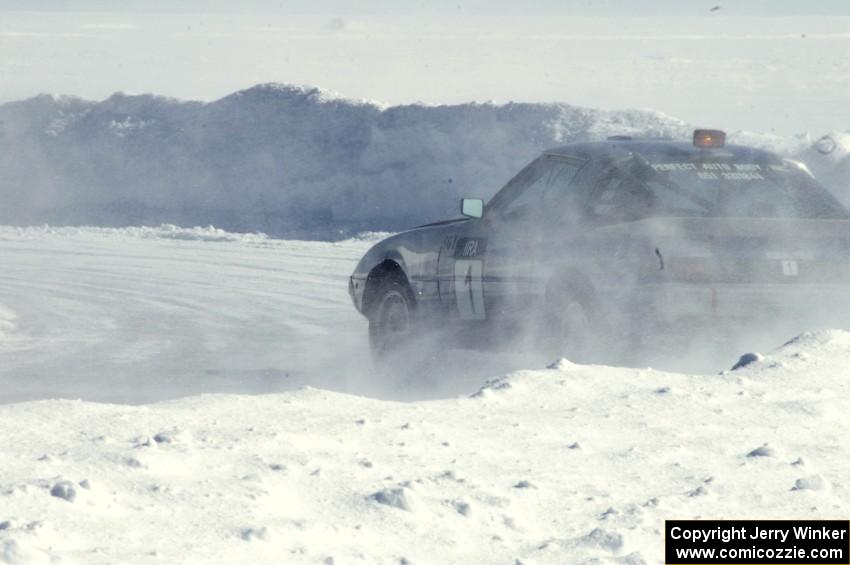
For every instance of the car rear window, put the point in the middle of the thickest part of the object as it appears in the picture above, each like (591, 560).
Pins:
(723, 186)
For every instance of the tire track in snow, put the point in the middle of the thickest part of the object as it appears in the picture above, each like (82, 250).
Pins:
(115, 317)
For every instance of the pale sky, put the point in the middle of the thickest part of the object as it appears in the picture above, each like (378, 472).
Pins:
(469, 7)
(788, 74)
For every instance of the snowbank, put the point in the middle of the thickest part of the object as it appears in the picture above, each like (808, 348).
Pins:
(290, 161)
(164, 231)
(566, 464)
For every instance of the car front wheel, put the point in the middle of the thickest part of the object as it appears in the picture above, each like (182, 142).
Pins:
(391, 321)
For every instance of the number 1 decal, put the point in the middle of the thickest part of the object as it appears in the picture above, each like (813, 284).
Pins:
(469, 289)
(790, 268)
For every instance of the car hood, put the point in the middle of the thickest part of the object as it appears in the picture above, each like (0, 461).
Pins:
(440, 223)
(413, 243)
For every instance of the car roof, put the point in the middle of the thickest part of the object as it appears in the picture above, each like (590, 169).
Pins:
(623, 146)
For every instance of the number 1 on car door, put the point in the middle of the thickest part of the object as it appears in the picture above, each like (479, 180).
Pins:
(469, 290)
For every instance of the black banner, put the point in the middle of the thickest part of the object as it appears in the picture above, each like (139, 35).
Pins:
(764, 542)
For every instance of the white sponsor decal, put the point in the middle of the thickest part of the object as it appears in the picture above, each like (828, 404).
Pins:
(715, 171)
(790, 268)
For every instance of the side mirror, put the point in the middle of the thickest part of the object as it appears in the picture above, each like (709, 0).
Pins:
(472, 207)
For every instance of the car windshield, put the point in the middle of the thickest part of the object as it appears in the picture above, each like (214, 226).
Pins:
(721, 186)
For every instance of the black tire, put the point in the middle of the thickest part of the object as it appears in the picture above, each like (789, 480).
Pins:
(571, 323)
(391, 320)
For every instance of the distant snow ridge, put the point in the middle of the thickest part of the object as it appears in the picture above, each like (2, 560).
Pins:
(296, 161)
(209, 233)
(165, 231)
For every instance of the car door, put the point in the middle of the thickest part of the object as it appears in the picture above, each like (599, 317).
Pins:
(460, 270)
(487, 269)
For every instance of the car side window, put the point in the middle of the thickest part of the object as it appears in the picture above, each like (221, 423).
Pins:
(545, 183)
(620, 197)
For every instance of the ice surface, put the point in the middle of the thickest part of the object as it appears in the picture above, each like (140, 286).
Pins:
(139, 314)
(143, 314)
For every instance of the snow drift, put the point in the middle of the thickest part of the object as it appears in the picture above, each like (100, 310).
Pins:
(289, 160)
(567, 464)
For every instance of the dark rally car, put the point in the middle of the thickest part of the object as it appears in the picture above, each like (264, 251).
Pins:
(609, 241)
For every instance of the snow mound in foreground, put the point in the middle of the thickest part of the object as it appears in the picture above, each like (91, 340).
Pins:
(566, 464)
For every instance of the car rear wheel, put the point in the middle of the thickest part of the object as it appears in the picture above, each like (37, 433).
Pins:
(391, 320)
(571, 324)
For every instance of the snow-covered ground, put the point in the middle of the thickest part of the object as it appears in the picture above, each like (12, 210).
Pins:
(141, 314)
(569, 463)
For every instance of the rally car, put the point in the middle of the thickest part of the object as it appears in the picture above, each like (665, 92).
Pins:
(615, 239)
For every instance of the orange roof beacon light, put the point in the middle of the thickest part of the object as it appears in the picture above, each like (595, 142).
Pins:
(709, 138)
